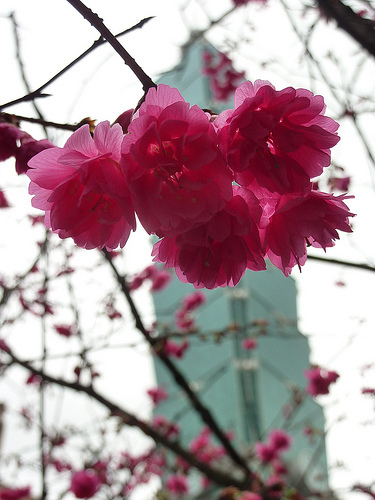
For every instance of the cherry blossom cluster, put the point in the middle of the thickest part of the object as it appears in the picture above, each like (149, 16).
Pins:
(223, 78)
(222, 193)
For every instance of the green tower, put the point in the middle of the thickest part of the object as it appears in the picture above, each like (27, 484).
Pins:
(249, 392)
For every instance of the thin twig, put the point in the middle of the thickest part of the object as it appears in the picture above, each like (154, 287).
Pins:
(100, 41)
(22, 68)
(95, 21)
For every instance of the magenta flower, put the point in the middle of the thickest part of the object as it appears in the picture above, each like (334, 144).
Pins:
(249, 343)
(193, 300)
(279, 439)
(15, 493)
(319, 380)
(278, 140)
(82, 190)
(66, 330)
(266, 453)
(177, 484)
(339, 183)
(158, 394)
(298, 221)
(3, 200)
(204, 449)
(218, 252)
(224, 79)
(28, 148)
(171, 154)
(84, 483)
(9, 137)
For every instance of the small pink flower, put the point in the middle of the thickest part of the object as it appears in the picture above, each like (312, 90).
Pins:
(160, 280)
(82, 189)
(157, 395)
(15, 493)
(279, 439)
(174, 349)
(3, 200)
(84, 483)
(194, 300)
(266, 453)
(177, 484)
(165, 426)
(224, 79)
(184, 320)
(66, 330)
(28, 148)
(9, 140)
(339, 183)
(249, 344)
(368, 390)
(319, 380)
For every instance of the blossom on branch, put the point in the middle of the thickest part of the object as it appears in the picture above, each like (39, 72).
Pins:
(82, 190)
(223, 194)
(319, 380)
(224, 79)
(84, 483)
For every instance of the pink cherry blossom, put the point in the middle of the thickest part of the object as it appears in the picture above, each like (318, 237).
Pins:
(177, 484)
(339, 183)
(157, 394)
(84, 483)
(194, 300)
(66, 330)
(278, 140)
(9, 137)
(171, 154)
(218, 252)
(319, 380)
(279, 439)
(15, 493)
(203, 447)
(266, 453)
(299, 221)
(3, 200)
(28, 148)
(224, 79)
(249, 344)
(82, 190)
(165, 426)
(174, 349)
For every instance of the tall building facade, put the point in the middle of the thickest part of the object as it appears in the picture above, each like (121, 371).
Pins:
(249, 392)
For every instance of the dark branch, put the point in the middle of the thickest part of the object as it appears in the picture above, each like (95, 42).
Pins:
(359, 28)
(355, 265)
(217, 476)
(37, 94)
(62, 126)
(179, 378)
(95, 21)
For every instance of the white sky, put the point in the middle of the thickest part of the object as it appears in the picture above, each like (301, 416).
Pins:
(339, 321)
